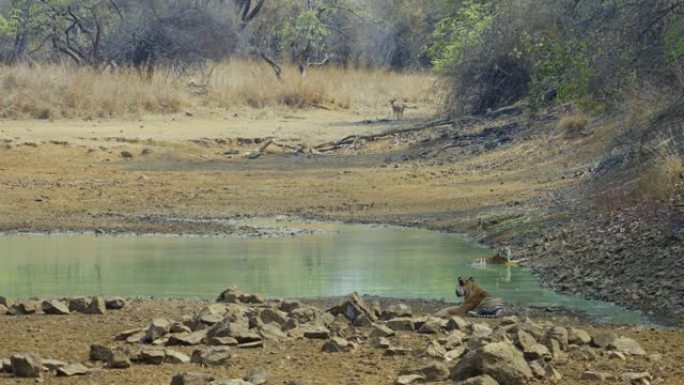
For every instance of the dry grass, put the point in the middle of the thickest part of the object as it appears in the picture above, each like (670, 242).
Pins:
(61, 91)
(573, 124)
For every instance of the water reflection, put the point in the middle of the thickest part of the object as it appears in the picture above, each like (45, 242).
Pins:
(369, 259)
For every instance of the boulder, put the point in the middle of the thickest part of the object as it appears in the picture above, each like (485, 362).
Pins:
(455, 353)
(353, 306)
(257, 376)
(97, 306)
(409, 379)
(152, 356)
(289, 305)
(559, 334)
(305, 314)
(115, 303)
(316, 332)
(26, 365)
(434, 350)
(380, 342)
(537, 351)
(456, 323)
(188, 339)
(272, 332)
(73, 370)
(212, 356)
(223, 341)
(6, 302)
(603, 340)
(100, 353)
(337, 345)
(158, 329)
(362, 321)
(397, 311)
(381, 331)
(500, 360)
(119, 360)
(627, 346)
(174, 357)
(479, 380)
(80, 304)
(431, 326)
(6, 365)
(480, 330)
(3, 310)
(401, 324)
(189, 378)
(26, 307)
(269, 315)
(578, 336)
(55, 307)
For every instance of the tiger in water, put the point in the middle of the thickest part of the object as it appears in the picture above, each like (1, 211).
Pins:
(476, 302)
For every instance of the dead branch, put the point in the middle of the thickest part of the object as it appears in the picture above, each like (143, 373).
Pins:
(276, 68)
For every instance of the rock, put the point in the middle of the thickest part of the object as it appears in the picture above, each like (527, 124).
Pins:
(551, 374)
(239, 331)
(272, 332)
(53, 365)
(26, 307)
(123, 336)
(136, 338)
(189, 339)
(627, 346)
(353, 306)
(212, 356)
(559, 334)
(431, 326)
(97, 306)
(152, 356)
(524, 340)
(251, 345)
(316, 332)
(115, 303)
(453, 339)
(269, 315)
(6, 302)
(456, 323)
(337, 345)
(100, 353)
(230, 382)
(55, 307)
(179, 328)
(397, 311)
(397, 351)
(178, 358)
(305, 314)
(189, 378)
(434, 350)
(480, 330)
(537, 368)
(158, 329)
(500, 360)
(223, 341)
(288, 306)
(578, 336)
(380, 342)
(434, 371)
(118, 360)
(655, 357)
(73, 370)
(362, 321)
(509, 320)
(27, 365)
(3, 310)
(617, 355)
(401, 324)
(80, 304)
(210, 319)
(479, 380)
(603, 340)
(537, 351)
(409, 379)
(381, 331)
(554, 347)
(126, 154)
(257, 376)
(236, 296)
(6, 365)
(594, 376)
(455, 353)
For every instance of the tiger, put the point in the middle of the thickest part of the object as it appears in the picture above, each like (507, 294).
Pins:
(476, 302)
(502, 257)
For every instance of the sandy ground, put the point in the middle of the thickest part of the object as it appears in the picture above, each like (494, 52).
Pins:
(71, 175)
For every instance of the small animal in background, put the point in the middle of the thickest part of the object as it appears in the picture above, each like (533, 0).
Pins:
(397, 109)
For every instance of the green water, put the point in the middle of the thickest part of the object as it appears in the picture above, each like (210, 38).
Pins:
(385, 261)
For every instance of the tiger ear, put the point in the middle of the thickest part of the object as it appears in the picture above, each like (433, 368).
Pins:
(471, 279)
(461, 281)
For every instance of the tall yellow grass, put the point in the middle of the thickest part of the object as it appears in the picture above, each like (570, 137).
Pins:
(62, 91)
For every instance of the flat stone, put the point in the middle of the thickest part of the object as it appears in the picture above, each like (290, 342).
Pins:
(53, 365)
(397, 351)
(454, 354)
(627, 346)
(223, 341)
(212, 356)
(409, 379)
(456, 323)
(363, 321)
(3, 310)
(73, 370)
(97, 306)
(479, 380)
(617, 355)
(230, 382)
(401, 324)
(478, 330)
(578, 336)
(289, 305)
(269, 315)
(272, 332)
(431, 326)
(26, 365)
(633, 377)
(381, 331)
(178, 328)
(152, 356)
(55, 307)
(158, 329)
(594, 376)
(136, 338)
(432, 372)
(189, 378)
(603, 340)
(316, 332)
(176, 358)
(123, 336)
(397, 311)
(434, 350)
(26, 307)
(537, 351)
(380, 342)
(337, 345)
(453, 339)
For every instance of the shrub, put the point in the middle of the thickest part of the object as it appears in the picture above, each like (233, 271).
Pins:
(573, 124)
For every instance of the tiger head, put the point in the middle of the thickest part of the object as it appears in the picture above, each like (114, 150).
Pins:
(465, 287)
